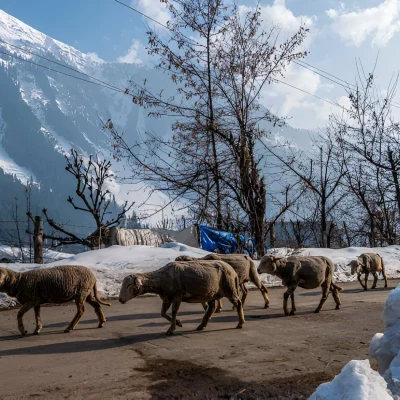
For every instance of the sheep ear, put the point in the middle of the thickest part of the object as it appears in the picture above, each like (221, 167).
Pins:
(138, 282)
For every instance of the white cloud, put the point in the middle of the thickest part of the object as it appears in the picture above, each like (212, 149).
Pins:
(331, 13)
(379, 23)
(154, 9)
(132, 55)
(95, 58)
(283, 18)
(292, 98)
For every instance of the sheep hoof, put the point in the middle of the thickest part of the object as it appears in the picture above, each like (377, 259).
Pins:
(100, 325)
(365, 288)
(218, 310)
(169, 332)
(36, 332)
(286, 313)
(200, 328)
(239, 327)
(337, 308)
(316, 311)
(234, 308)
(68, 330)
(24, 333)
(179, 323)
(266, 306)
(291, 312)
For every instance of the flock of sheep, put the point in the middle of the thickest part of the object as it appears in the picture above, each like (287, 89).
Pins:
(193, 280)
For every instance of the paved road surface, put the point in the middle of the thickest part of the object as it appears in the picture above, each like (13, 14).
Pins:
(131, 358)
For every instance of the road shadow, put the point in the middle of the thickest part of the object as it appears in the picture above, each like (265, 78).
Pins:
(125, 317)
(81, 346)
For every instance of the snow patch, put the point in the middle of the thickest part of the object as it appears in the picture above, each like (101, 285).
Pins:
(7, 164)
(356, 381)
(112, 264)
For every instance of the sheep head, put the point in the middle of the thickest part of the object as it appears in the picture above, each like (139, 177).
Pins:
(131, 288)
(267, 265)
(356, 266)
(7, 281)
(184, 258)
(3, 278)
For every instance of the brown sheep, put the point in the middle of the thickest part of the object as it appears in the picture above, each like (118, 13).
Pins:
(190, 282)
(368, 263)
(306, 272)
(245, 268)
(52, 285)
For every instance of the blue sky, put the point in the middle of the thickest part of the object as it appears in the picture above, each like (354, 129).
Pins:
(341, 33)
(100, 26)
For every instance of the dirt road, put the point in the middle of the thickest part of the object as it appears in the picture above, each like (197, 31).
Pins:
(131, 358)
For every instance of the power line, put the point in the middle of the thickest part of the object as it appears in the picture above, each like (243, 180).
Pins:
(298, 62)
(157, 22)
(60, 72)
(314, 95)
(58, 63)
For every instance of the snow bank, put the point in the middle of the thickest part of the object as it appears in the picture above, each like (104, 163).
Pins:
(112, 264)
(386, 347)
(342, 257)
(14, 254)
(356, 381)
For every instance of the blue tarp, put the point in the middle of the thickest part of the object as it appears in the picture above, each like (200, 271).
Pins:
(224, 242)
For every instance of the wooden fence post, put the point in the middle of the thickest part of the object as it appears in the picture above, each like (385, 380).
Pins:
(38, 240)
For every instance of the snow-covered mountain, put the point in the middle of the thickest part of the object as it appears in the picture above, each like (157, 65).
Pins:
(43, 113)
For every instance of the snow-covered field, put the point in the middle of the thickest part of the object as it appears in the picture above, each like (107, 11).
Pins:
(341, 257)
(357, 380)
(111, 265)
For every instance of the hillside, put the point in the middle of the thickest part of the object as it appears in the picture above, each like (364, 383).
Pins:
(44, 113)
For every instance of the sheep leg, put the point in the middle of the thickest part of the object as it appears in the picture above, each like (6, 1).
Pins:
(244, 295)
(164, 309)
(375, 280)
(239, 309)
(80, 310)
(25, 308)
(257, 281)
(336, 297)
(97, 309)
(38, 320)
(289, 292)
(366, 280)
(325, 292)
(293, 310)
(207, 316)
(359, 280)
(384, 276)
(218, 308)
(175, 307)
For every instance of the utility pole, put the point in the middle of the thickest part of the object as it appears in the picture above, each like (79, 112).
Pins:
(38, 240)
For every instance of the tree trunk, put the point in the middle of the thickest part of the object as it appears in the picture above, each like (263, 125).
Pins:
(395, 175)
(213, 142)
(272, 235)
(324, 236)
(260, 209)
(38, 238)
(346, 232)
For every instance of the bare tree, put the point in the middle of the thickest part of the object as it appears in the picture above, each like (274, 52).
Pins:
(220, 75)
(321, 172)
(92, 178)
(369, 142)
